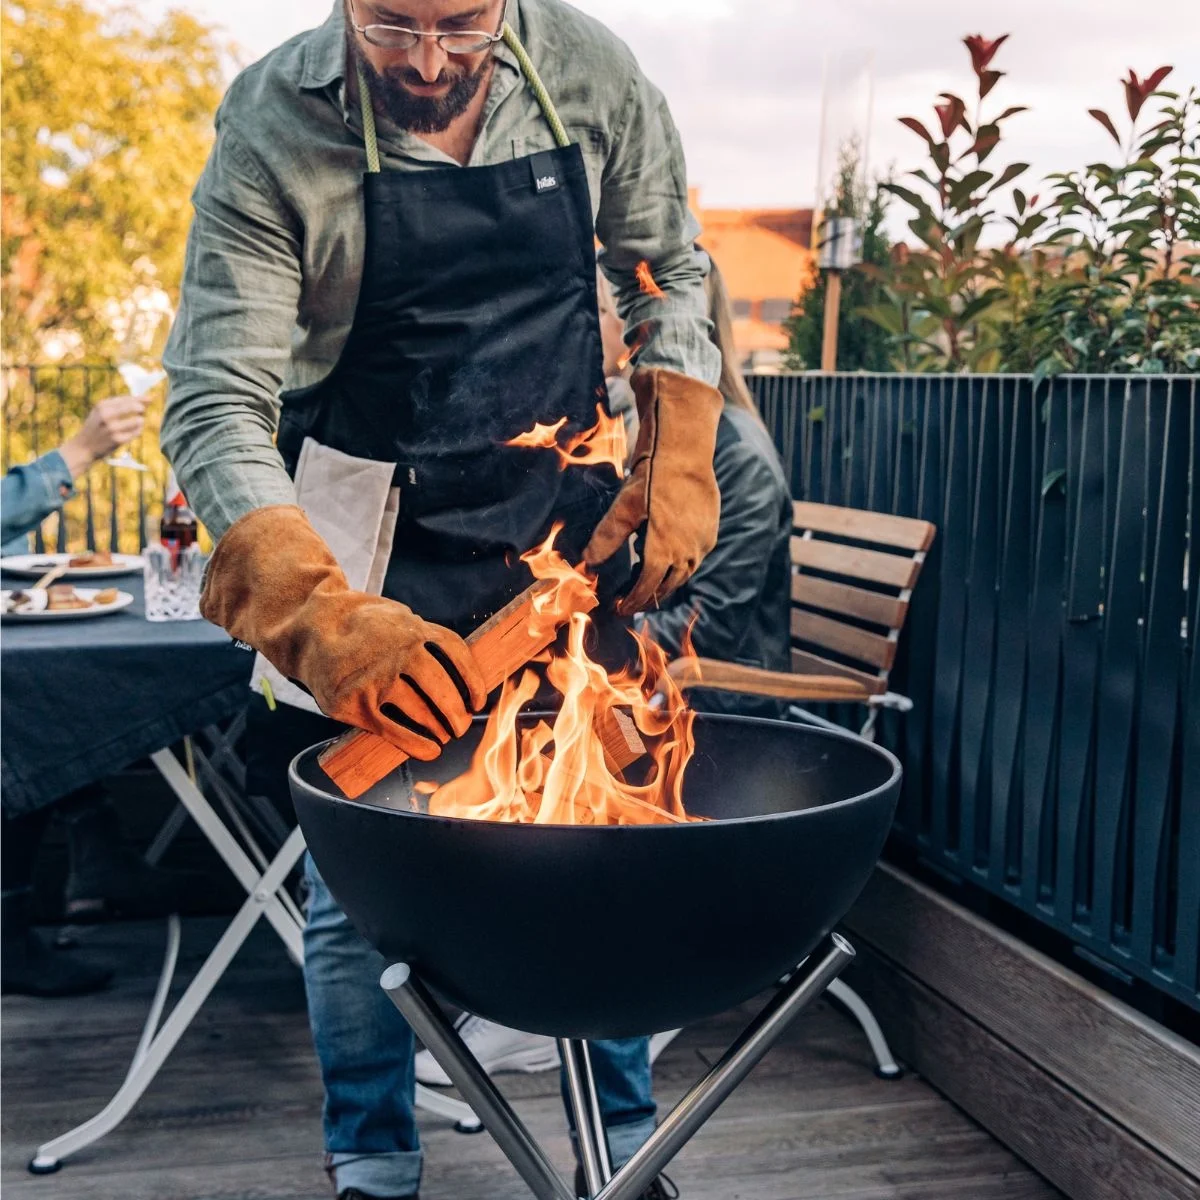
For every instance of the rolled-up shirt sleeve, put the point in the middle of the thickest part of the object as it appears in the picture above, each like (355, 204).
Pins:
(229, 347)
(643, 217)
(29, 494)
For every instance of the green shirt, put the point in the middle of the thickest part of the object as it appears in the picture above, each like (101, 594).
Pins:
(274, 257)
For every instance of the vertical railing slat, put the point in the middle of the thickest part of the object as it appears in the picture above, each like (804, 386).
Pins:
(1018, 509)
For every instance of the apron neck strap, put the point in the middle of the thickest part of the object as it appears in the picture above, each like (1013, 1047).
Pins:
(534, 80)
(535, 84)
(368, 120)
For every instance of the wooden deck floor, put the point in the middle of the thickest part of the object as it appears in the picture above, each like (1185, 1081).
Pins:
(235, 1114)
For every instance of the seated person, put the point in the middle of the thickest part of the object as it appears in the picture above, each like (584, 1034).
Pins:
(30, 493)
(740, 595)
(104, 873)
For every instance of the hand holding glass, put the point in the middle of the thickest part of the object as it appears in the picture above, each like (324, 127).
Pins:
(139, 381)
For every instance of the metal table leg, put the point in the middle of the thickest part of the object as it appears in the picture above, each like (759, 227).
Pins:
(266, 897)
(283, 916)
(810, 979)
(153, 1050)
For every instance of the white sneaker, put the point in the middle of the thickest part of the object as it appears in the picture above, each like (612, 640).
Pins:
(497, 1048)
(660, 1041)
(501, 1049)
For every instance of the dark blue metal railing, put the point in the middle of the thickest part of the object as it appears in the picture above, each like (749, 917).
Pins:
(1053, 755)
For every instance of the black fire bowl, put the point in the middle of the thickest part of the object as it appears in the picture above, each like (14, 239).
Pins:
(578, 931)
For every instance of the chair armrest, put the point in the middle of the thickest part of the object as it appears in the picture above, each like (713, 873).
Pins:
(754, 681)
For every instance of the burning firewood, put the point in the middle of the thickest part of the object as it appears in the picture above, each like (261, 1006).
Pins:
(623, 745)
(501, 646)
(573, 772)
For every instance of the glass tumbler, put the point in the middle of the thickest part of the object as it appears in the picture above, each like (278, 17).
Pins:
(173, 588)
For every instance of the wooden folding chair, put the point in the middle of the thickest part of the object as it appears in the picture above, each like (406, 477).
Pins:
(852, 578)
(853, 573)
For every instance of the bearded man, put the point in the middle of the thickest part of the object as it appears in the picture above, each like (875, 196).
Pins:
(391, 273)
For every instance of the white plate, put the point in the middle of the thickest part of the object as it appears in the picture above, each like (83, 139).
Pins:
(34, 566)
(123, 600)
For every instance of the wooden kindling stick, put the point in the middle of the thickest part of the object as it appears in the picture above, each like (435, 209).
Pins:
(501, 646)
(619, 736)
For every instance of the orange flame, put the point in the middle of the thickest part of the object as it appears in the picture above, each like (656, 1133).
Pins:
(560, 774)
(640, 338)
(603, 444)
(646, 281)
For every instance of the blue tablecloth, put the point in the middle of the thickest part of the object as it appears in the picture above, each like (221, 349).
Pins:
(82, 699)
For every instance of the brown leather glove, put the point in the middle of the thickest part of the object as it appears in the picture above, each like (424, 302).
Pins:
(671, 489)
(274, 584)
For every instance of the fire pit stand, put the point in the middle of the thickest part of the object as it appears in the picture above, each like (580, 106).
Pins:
(418, 1007)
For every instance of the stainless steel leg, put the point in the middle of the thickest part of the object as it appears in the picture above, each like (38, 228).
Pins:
(593, 1099)
(408, 994)
(585, 1107)
(812, 977)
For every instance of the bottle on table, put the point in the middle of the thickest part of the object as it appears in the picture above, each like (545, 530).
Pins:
(174, 565)
(178, 529)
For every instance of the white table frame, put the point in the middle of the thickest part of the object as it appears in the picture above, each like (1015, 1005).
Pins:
(264, 881)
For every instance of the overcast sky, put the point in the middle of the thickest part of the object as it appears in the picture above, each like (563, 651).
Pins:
(744, 79)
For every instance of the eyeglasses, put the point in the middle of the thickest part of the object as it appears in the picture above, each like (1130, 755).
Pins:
(397, 37)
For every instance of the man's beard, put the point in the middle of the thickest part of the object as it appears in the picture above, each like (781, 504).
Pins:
(420, 114)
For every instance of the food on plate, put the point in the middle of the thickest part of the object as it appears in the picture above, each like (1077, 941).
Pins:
(63, 596)
(91, 559)
(60, 597)
(31, 601)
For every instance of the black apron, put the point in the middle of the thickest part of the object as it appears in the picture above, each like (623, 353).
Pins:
(477, 318)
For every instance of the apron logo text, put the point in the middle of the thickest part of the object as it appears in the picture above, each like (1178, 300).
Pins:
(545, 183)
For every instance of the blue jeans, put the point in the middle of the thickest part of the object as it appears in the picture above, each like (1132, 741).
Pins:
(365, 1048)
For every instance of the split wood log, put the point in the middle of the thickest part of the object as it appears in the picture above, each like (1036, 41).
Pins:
(501, 646)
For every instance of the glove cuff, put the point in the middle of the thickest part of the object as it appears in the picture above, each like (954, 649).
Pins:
(268, 568)
(677, 410)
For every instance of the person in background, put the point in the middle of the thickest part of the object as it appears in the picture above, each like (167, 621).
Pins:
(740, 595)
(30, 493)
(104, 874)
(738, 598)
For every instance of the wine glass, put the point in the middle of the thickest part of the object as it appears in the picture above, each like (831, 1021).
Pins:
(139, 381)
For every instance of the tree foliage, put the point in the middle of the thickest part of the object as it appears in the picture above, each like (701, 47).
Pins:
(107, 122)
(862, 344)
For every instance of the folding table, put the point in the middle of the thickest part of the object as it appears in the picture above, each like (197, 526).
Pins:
(137, 688)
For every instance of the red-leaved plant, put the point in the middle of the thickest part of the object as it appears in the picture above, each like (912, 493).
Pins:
(1093, 275)
(941, 290)
(1119, 290)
